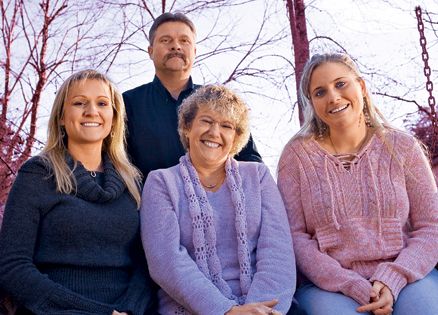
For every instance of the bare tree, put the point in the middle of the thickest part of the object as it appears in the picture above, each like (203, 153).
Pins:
(41, 41)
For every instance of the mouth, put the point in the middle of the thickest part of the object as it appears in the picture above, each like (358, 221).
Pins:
(91, 124)
(210, 144)
(339, 109)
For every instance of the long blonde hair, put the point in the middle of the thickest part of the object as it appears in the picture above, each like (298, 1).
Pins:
(311, 125)
(114, 145)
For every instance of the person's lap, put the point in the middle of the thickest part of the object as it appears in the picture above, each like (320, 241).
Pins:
(315, 301)
(419, 297)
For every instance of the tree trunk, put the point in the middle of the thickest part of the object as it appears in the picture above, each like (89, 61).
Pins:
(300, 42)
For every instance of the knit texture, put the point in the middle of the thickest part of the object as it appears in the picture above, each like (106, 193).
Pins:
(376, 221)
(79, 252)
(198, 243)
(204, 233)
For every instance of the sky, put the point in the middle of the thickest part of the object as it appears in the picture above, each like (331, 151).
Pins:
(381, 35)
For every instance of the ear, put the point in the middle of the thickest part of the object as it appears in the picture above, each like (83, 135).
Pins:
(150, 51)
(363, 86)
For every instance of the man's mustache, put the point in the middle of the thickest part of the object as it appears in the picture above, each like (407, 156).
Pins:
(175, 54)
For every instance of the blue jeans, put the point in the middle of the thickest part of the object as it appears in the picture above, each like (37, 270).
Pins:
(420, 297)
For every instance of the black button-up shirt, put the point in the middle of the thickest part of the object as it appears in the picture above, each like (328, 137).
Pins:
(153, 139)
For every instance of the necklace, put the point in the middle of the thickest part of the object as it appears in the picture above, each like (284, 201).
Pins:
(93, 173)
(364, 140)
(212, 186)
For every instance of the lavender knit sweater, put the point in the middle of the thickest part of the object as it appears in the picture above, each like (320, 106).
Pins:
(166, 228)
(377, 221)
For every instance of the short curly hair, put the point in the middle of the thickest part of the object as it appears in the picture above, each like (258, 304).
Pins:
(219, 99)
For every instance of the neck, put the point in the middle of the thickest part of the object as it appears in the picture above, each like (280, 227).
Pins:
(348, 141)
(89, 155)
(174, 82)
(211, 176)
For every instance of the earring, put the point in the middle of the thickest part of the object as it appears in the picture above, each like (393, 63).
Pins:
(112, 134)
(62, 132)
(366, 113)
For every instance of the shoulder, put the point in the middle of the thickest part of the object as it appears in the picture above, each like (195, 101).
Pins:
(137, 91)
(251, 168)
(36, 165)
(295, 147)
(401, 141)
(400, 137)
(163, 175)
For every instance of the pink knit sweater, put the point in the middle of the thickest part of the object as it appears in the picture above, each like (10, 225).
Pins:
(376, 221)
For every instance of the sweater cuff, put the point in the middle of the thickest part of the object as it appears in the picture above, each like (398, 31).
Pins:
(393, 280)
(359, 291)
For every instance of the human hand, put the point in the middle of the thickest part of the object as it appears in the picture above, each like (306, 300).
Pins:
(119, 313)
(259, 308)
(381, 300)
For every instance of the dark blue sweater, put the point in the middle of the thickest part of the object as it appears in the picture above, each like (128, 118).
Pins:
(73, 253)
(153, 139)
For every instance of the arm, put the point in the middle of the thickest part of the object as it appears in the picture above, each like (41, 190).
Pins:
(18, 273)
(140, 296)
(420, 255)
(275, 277)
(170, 265)
(249, 152)
(324, 271)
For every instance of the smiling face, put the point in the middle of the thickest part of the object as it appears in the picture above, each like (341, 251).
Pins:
(211, 138)
(337, 95)
(88, 113)
(173, 49)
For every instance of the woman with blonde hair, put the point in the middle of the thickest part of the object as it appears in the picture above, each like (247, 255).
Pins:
(70, 240)
(215, 230)
(361, 201)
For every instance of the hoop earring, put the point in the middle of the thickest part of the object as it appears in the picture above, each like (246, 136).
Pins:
(62, 132)
(366, 113)
(112, 134)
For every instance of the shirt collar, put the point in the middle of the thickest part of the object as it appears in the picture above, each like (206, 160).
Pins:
(157, 83)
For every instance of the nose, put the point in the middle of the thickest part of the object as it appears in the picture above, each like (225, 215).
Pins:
(333, 95)
(91, 109)
(176, 45)
(214, 128)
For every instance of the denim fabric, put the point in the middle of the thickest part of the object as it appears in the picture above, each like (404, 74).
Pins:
(420, 297)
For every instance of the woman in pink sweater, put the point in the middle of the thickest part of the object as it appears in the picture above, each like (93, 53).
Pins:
(361, 201)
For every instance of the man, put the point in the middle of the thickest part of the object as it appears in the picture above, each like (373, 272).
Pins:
(153, 140)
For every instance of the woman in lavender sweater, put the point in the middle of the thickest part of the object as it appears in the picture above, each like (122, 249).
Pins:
(361, 201)
(215, 230)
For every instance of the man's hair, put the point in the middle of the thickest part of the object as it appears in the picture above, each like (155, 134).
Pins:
(170, 17)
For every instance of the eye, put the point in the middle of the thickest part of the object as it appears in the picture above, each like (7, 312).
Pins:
(206, 121)
(78, 103)
(102, 103)
(227, 126)
(319, 93)
(340, 84)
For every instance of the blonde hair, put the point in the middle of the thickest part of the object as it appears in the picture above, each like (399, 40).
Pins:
(221, 100)
(312, 124)
(114, 144)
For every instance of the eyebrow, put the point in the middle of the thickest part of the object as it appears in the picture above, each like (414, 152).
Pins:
(80, 95)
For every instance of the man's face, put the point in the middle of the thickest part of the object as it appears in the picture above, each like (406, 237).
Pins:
(173, 49)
